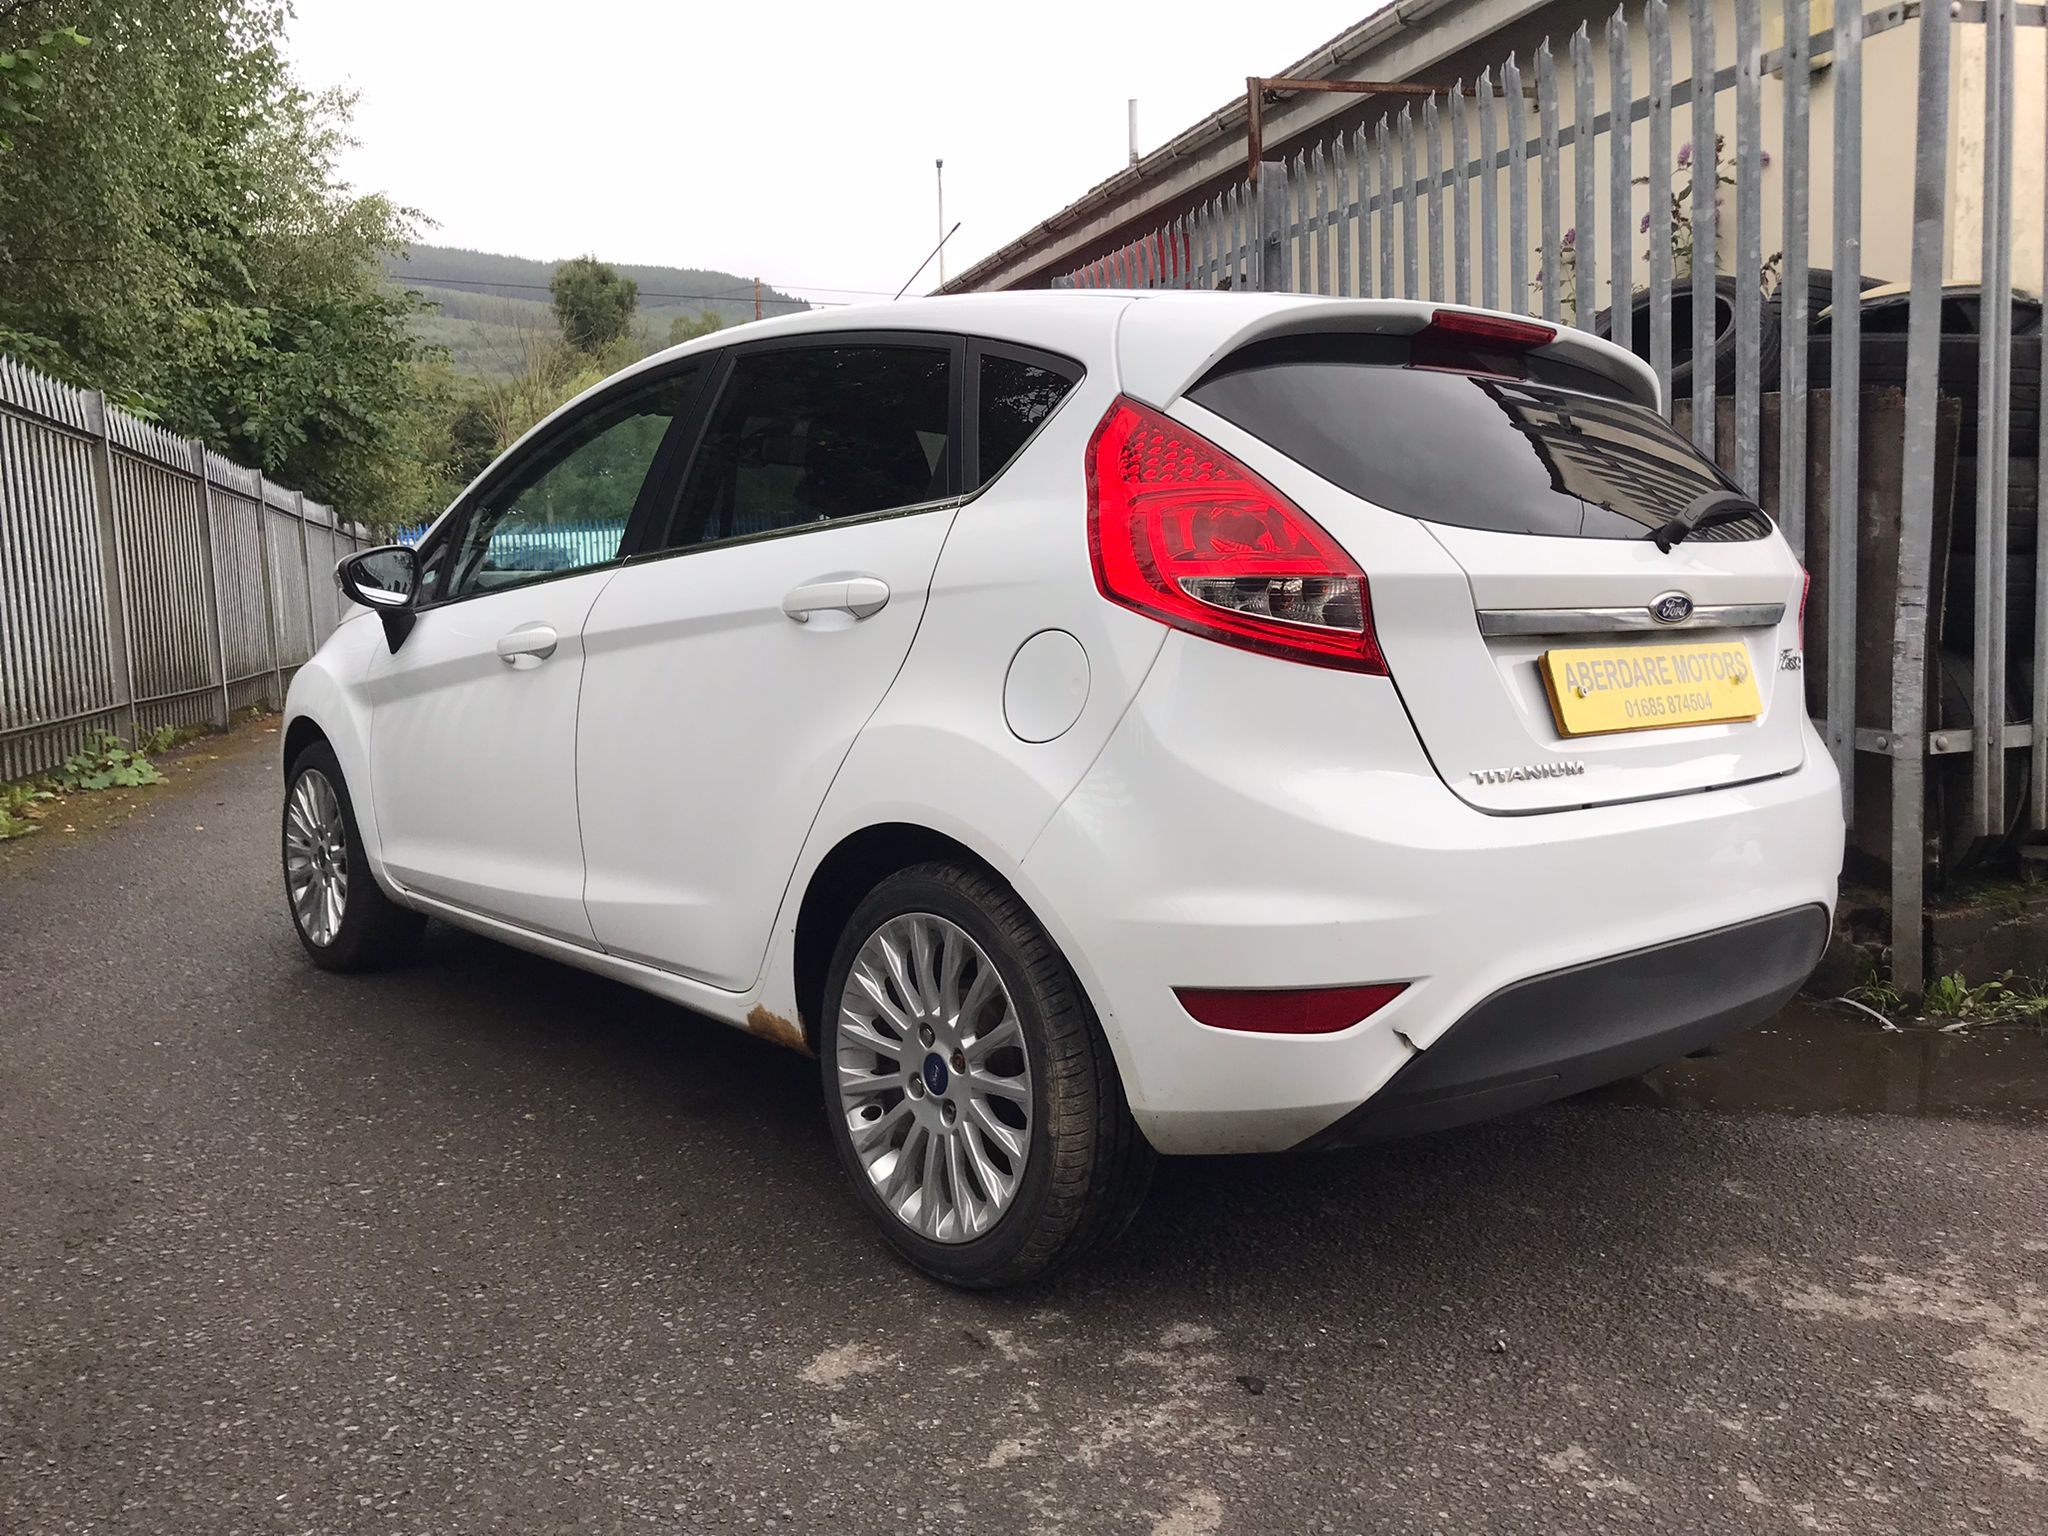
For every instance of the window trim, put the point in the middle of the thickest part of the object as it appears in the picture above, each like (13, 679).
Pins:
(454, 528)
(978, 348)
(654, 545)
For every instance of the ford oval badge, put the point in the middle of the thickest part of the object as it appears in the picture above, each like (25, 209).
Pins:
(1671, 608)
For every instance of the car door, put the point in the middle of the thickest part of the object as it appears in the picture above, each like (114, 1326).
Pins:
(473, 718)
(728, 671)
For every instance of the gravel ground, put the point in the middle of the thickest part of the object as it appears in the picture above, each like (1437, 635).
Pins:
(488, 1244)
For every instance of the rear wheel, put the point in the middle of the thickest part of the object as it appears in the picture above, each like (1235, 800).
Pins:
(340, 913)
(971, 1094)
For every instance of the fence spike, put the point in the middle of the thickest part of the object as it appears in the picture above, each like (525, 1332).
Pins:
(1585, 237)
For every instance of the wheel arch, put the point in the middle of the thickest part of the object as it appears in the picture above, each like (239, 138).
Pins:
(300, 732)
(857, 863)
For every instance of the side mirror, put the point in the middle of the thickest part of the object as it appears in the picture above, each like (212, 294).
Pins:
(386, 581)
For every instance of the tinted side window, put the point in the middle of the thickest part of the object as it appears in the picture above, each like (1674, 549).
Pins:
(1540, 454)
(806, 435)
(1015, 397)
(566, 509)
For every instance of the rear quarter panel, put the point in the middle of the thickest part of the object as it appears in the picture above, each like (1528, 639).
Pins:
(939, 752)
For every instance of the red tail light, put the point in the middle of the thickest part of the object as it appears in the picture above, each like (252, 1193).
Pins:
(1306, 1011)
(1183, 533)
(1805, 591)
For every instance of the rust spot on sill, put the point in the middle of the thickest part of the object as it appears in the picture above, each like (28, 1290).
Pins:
(777, 1030)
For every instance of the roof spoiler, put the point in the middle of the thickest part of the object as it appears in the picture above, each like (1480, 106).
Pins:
(1166, 346)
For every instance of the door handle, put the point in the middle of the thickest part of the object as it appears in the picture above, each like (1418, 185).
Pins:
(861, 596)
(528, 646)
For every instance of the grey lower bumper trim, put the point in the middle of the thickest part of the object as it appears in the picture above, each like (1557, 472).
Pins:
(1595, 1023)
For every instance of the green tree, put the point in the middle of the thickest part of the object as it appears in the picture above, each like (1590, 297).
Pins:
(593, 304)
(25, 67)
(173, 230)
(689, 327)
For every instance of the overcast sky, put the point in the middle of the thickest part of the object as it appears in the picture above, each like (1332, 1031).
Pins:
(789, 139)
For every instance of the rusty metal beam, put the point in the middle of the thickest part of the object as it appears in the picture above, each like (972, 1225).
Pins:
(1258, 87)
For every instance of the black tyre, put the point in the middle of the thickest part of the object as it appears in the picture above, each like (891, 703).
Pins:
(1637, 339)
(340, 913)
(969, 1090)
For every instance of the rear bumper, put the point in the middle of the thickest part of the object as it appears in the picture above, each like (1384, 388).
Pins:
(1255, 824)
(1590, 1024)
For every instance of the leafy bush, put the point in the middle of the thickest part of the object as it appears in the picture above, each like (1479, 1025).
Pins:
(106, 763)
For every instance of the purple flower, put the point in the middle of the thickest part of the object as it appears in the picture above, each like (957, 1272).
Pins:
(1767, 159)
(1644, 227)
(1571, 235)
(1685, 153)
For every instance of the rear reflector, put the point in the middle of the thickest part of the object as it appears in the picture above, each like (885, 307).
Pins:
(1183, 533)
(1302, 1011)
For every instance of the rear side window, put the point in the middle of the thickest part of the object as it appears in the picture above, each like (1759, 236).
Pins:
(806, 435)
(1550, 453)
(1015, 397)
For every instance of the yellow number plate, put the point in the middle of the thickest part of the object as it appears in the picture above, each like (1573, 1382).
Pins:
(1595, 690)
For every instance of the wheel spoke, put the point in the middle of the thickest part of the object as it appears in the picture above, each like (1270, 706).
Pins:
(994, 1183)
(952, 960)
(922, 962)
(872, 1136)
(1005, 1137)
(865, 1035)
(1016, 1089)
(1005, 1033)
(902, 1176)
(931, 1212)
(878, 994)
(899, 972)
(986, 985)
(965, 1210)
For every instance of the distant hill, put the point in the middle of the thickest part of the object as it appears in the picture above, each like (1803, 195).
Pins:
(482, 301)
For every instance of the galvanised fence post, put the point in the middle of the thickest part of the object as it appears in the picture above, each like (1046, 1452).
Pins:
(113, 570)
(206, 560)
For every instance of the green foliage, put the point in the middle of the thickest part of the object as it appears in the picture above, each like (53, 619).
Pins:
(25, 73)
(1952, 997)
(1877, 992)
(689, 327)
(19, 806)
(173, 230)
(593, 304)
(105, 763)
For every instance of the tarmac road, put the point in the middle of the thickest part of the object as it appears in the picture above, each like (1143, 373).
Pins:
(488, 1244)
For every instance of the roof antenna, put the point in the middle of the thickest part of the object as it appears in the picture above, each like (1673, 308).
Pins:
(949, 234)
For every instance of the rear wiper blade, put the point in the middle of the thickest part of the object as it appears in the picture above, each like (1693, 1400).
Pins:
(1710, 509)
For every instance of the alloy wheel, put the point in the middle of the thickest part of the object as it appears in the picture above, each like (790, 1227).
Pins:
(934, 1080)
(316, 857)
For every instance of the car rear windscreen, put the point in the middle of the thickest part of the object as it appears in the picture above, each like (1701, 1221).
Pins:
(1550, 451)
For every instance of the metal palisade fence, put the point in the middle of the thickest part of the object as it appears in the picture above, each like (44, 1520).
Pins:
(144, 580)
(1873, 484)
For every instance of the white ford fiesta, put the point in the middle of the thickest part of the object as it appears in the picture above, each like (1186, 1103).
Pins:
(1097, 725)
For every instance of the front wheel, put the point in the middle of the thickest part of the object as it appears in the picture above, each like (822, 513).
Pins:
(970, 1092)
(341, 915)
